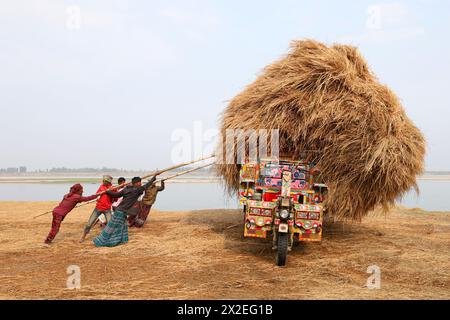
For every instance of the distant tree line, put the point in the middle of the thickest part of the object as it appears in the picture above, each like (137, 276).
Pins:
(23, 169)
(14, 170)
(19, 170)
(84, 170)
(442, 173)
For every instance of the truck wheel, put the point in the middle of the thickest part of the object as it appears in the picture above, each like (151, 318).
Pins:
(282, 251)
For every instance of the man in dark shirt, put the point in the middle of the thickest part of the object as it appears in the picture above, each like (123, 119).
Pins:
(116, 231)
(131, 193)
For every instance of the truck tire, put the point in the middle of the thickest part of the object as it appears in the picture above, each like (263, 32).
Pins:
(282, 251)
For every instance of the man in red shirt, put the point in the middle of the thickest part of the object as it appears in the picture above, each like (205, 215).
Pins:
(103, 206)
(69, 202)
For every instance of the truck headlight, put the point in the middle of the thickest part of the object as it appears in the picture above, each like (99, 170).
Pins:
(284, 214)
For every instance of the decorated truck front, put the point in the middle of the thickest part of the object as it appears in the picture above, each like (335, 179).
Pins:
(280, 199)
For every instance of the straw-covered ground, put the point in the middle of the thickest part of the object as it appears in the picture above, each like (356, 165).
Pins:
(202, 255)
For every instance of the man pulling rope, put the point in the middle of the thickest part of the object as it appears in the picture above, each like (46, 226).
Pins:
(116, 231)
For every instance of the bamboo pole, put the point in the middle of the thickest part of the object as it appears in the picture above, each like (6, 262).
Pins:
(160, 180)
(184, 172)
(155, 173)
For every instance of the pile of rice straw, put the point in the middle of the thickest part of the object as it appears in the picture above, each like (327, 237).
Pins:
(325, 98)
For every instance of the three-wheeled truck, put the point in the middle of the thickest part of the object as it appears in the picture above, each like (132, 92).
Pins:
(282, 199)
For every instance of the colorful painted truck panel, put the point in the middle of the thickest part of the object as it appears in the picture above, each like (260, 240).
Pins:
(261, 188)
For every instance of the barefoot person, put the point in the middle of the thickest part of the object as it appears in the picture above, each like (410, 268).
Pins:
(69, 202)
(103, 206)
(116, 231)
(145, 205)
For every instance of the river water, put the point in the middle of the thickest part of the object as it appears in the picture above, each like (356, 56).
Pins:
(434, 195)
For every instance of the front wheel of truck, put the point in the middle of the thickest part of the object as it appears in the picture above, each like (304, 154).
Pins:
(282, 250)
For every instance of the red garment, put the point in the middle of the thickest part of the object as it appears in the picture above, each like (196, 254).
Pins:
(76, 188)
(56, 223)
(105, 201)
(69, 202)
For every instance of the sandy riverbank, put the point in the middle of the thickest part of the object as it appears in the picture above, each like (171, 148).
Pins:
(202, 255)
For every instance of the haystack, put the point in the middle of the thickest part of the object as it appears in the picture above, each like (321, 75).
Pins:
(325, 98)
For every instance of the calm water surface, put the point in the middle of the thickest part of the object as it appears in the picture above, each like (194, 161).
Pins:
(434, 195)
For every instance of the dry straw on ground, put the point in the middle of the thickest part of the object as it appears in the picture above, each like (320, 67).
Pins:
(325, 98)
(202, 255)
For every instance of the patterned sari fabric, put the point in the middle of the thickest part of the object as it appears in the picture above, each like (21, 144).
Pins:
(115, 232)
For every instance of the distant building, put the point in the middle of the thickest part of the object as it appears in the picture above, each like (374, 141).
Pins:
(23, 169)
(12, 170)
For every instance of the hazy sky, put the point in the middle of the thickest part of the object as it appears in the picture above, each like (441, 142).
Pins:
(106, 83)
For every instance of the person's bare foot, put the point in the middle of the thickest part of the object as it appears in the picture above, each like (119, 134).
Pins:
(83, 237)
(45, 245)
